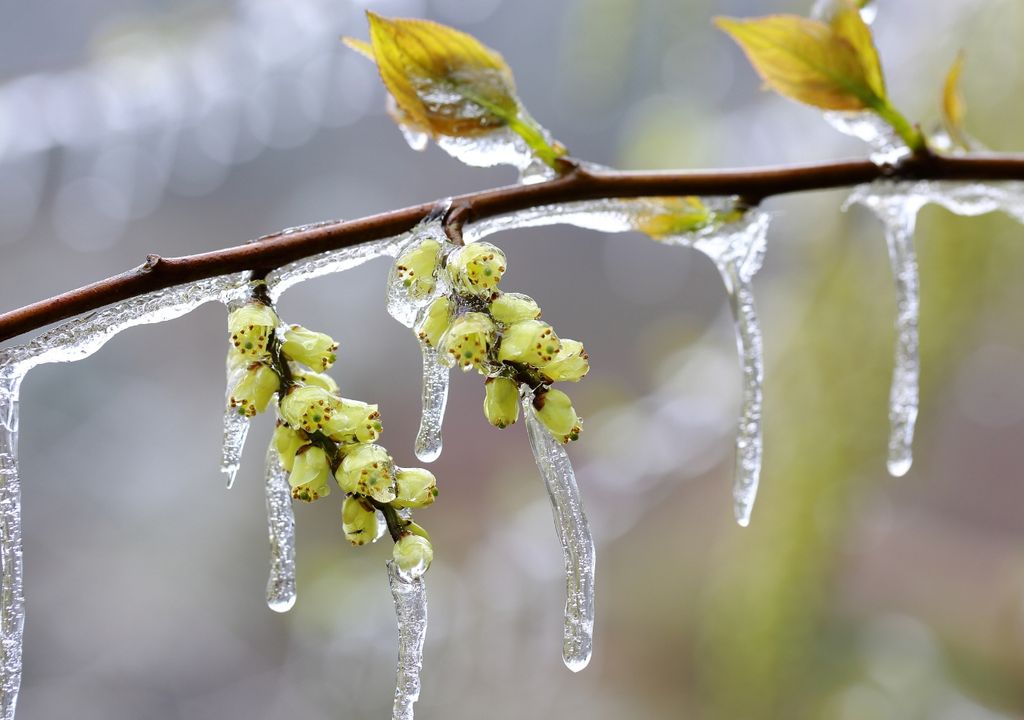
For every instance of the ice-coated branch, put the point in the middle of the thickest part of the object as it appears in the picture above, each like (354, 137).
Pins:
(273, 251)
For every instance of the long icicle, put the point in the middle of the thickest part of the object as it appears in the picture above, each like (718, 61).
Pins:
(281, 531)
(749, 344)
(411, 611)
(574, 534)
(236, 428)
(435, 399)
(12, 596)
(899, 219)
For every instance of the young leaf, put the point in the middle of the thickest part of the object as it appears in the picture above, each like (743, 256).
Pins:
(674, 216)
(954, 109)
(809, 61)
(832, 66)
(445, 82)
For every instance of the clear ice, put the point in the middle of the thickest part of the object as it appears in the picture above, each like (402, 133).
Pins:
(281, 531)
(435, 398)
(574, 534)
(236, 428)
(411, 612)
(12, 596)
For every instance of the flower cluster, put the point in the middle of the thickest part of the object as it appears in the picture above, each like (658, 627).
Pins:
(474, 325)
(322, 436)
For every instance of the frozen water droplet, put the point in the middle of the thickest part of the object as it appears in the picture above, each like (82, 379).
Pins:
(500, 147)
(416, 139)
(281, 531)
(401, 305)
(825, 9)
(886, 145)
(574, 534)
(410, 598)
(435, 398)
(12, 596)
(236, 428)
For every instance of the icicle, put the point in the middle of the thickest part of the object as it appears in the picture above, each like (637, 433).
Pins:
(236, 428)
(574, 534)
(411, 612)
(435, 398)
(281, 531)
(899, 219)
(12, 597)
(748, 437)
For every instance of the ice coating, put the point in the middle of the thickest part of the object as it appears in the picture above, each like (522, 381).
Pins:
(574, 534)
(435, 399)
(281, 531)
(411, 612)
(12, 596)
(330, 262)
(400, 305)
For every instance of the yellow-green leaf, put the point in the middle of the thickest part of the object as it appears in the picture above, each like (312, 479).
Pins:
(811, 62)
(673, 216)
(954, 109)
(848, 24)
(445, 82)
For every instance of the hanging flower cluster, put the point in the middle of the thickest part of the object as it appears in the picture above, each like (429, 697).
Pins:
(476, 326)
(322, 436)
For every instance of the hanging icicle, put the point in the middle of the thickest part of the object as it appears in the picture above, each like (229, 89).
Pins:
(435, 399)
(574, 534)
(12, 596)
(410, 597)
(281, 531)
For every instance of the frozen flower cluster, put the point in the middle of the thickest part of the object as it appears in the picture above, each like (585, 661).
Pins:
(475, 326)
(323, 438)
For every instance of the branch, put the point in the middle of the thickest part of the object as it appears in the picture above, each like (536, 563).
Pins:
(753, 185)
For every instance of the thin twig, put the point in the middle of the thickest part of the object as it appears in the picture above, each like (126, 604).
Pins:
(753, 185)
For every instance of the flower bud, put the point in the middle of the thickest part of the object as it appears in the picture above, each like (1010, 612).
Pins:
(469, 340)
(313, 349)
(309, 407)
(570, 364)
(310, 474)
(305, 377)
(250, 328)
(416, 488)
(510, 308)
(476, 269)
(434, 321)
(531, 342)
(413, 555)
(359, 521)
(555, 410)
(417, 268)
(501, 401)
(254, 390)
(368, 470)
(287, 442)
(354, 422)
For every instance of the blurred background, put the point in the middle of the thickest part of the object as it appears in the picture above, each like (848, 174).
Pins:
(137, 126)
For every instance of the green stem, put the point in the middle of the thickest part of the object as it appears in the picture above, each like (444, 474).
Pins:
(910, 134)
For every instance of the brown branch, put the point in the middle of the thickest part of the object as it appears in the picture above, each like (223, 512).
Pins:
(752, 185)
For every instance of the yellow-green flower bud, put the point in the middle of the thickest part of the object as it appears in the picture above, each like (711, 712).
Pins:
(305, 377)
(434, 321)
(510, 308)
(309, 407)
(313, 349)
(359, 521)
(287, 442)
(310, 474)
(476, 269)
(250, 328)
(570, 364)
(417, 268)
(416, 488)
(555, 410)
(254, 390)
(501, 401)
(413, 555)
(415, 529)
(368, 470)
(531, 342)
(469, 340)
(354, 422)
